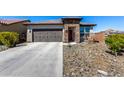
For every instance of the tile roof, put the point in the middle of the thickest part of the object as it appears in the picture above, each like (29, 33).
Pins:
(46, 22)
(87, 24)
(12, 21)
(72, 17)
(59, 21)
(52, 21)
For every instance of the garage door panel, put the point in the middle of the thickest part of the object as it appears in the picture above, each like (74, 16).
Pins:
(47, 36)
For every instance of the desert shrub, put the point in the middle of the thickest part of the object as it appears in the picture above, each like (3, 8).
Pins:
(1, 43)
(115, 42)
(9, 39)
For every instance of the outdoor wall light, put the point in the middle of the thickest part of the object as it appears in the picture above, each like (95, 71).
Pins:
(29, 31)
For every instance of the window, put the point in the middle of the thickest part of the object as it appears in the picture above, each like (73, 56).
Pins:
(87, 29)
(84, 29)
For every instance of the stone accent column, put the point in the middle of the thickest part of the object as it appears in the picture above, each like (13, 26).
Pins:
(77, 33)
(65, 36)
(29, 35)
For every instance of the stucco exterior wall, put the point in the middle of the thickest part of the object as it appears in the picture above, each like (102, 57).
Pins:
(45, 26)
(17, 27)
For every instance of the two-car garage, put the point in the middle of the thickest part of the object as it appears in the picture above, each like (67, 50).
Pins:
(47, 35)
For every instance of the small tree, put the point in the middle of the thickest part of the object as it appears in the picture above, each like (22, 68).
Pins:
(9, 39)
(115, 43)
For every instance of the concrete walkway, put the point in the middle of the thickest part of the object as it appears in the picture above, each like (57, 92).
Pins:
(35, 60)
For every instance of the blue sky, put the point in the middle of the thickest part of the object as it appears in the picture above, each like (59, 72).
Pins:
(103, 22)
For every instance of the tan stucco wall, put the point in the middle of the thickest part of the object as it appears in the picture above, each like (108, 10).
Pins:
(17, 27)
(45, 26)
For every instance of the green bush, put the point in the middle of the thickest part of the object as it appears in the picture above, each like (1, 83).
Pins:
(1, 43)
(9, 39)
(115, 42)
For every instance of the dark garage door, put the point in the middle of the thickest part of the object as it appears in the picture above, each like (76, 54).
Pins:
(47, 36)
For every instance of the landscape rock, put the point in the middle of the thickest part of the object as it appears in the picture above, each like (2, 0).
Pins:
(102, 72)
(91, 59)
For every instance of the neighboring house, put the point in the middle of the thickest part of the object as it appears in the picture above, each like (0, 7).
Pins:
(68, 29)
(14, 25)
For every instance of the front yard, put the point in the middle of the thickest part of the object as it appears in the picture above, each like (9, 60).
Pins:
(91, 59)
(8, 40)
(2, 48)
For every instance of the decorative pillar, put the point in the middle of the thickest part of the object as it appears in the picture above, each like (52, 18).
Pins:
(65, 36)
(29, 35)
(77, 33)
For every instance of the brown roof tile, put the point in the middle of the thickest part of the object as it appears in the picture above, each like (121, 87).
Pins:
(55, 22)
(46, 22)
(87, 24)
(12, 21)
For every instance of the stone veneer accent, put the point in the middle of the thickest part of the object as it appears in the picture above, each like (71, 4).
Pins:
(76, 31)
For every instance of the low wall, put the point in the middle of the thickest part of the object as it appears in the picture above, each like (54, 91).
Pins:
(97, 37)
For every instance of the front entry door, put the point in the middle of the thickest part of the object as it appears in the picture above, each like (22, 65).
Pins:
(71, 35)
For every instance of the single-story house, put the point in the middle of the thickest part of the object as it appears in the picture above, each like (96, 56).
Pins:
(67, 29)
(14, 25)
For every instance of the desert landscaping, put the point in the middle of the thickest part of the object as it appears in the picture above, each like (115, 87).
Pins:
(92, 59)
(83, 51)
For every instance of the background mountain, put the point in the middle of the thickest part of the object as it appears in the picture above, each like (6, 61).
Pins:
(112, 31)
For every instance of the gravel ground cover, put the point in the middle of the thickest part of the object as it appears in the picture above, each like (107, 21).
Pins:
(91, 60)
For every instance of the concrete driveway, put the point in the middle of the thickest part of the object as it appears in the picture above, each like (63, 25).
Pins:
(34, 59)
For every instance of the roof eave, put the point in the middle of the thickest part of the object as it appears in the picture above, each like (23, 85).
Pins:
(88, 24)
(80, 18)
(16, 22)
(43, 23)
